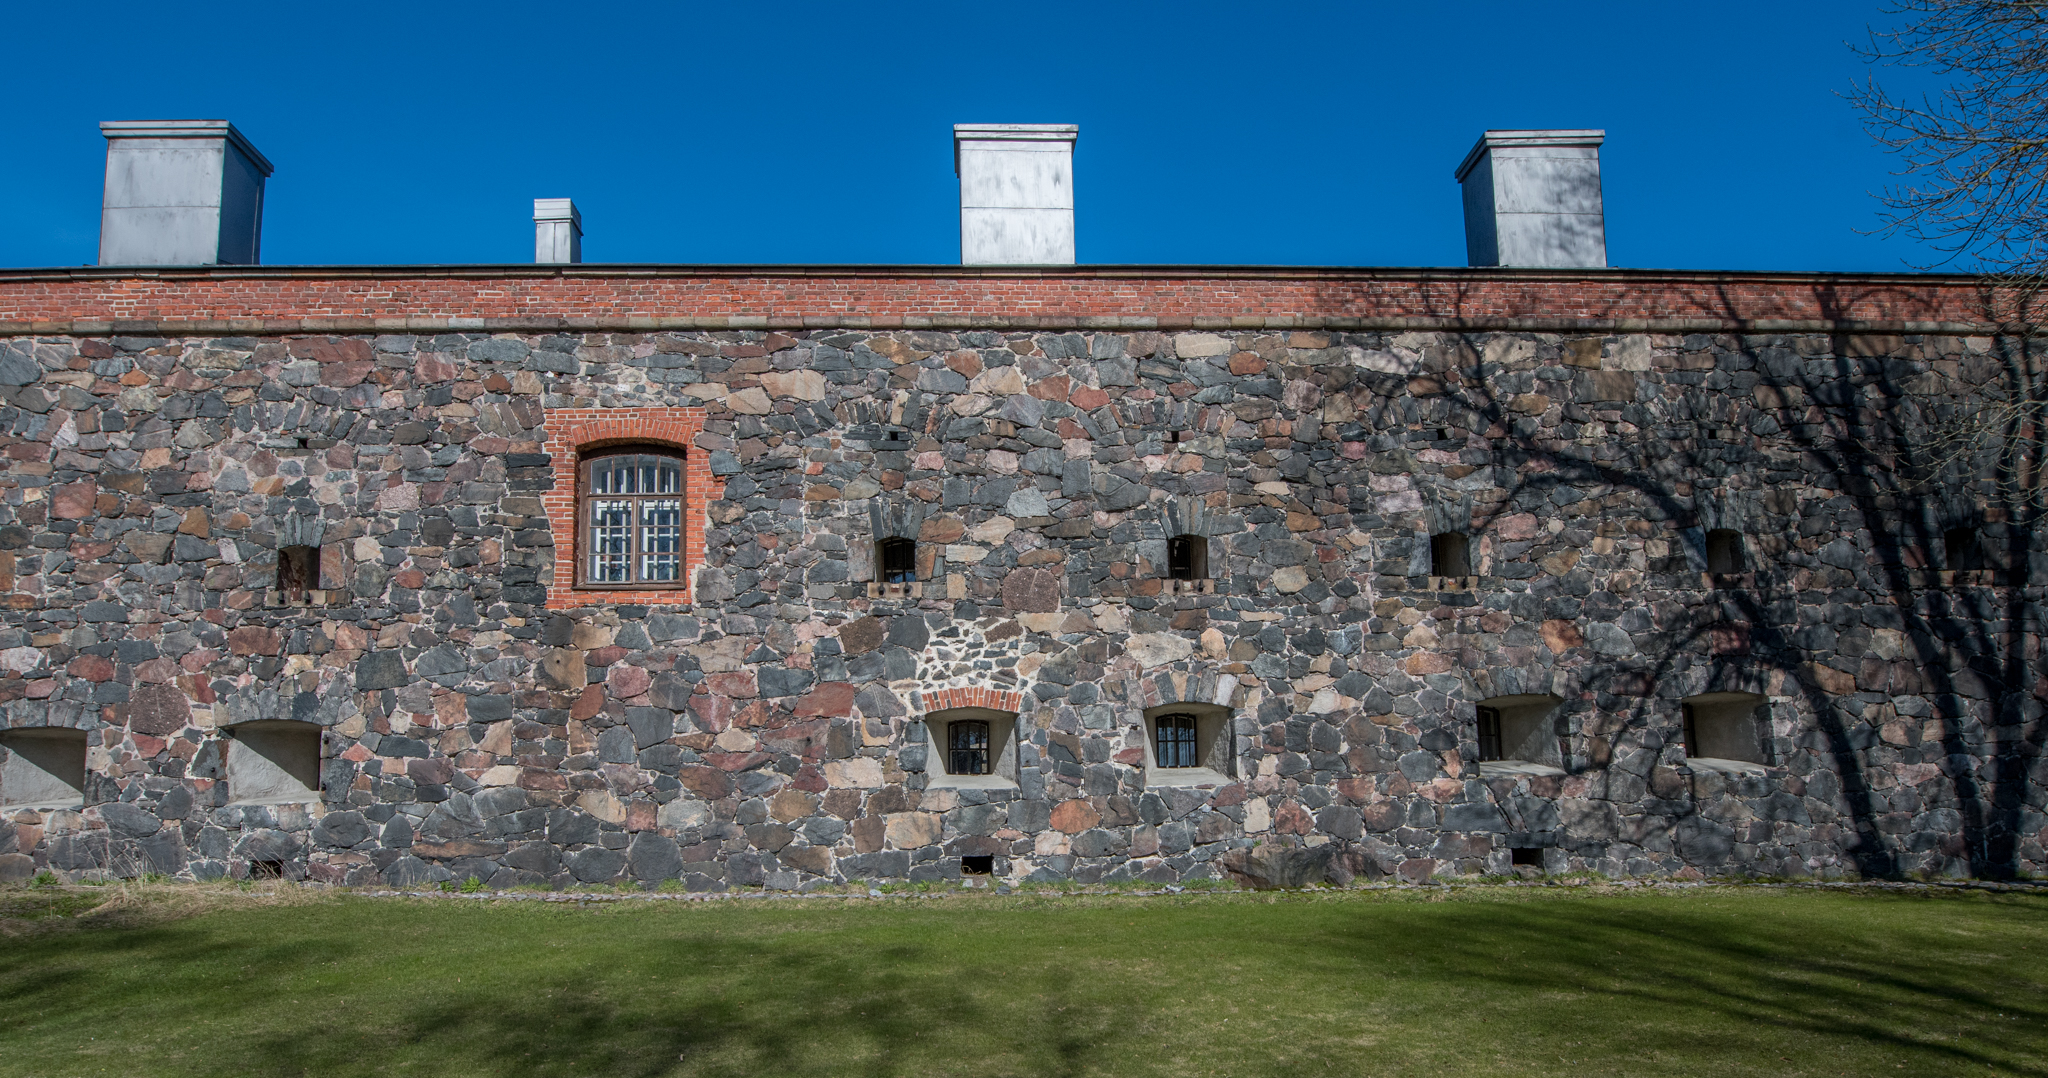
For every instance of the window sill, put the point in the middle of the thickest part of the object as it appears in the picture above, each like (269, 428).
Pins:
(1519, 768)
(1186, 776)
(936, 780)
(911, 590)
(278, 799)
(1725, 767)
(317, 597)
(1189, 587)
(74, 804)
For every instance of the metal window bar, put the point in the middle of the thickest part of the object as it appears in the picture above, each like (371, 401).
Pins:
(899, 561)
(967, 747)
(1173, 741)
(1489, 734)
(636, 519)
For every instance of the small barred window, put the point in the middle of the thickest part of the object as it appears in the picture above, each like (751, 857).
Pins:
(967, 747)
(1173, 742)
(633, 510)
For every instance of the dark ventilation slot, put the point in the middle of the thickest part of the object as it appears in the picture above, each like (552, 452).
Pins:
(1724, 551)
(980, 864)
(1187, 557)
(1450, 554)
(1489, 733)
(898, 560)
(1526, 855)
(266, 870)
(298, 572)
(1961, 550)
(1692, 731)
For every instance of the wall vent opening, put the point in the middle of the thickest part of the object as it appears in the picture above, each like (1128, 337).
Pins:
(1724, 552)
(1450, 554)
(1187, 557)
(1526, 855)
(978, 864)
(298, 572)
(1961, 550)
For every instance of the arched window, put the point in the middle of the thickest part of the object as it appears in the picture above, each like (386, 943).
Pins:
(633, 516)
(1450, 554)
(897, 559)
(1724, 551)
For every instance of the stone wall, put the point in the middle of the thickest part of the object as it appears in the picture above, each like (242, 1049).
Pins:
(478, 721)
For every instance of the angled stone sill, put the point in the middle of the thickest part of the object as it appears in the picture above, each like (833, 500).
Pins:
(315, 598)
(1160, 777)
(912, 590)
(1725, 767)
(1518, 768)
(1189, 587)
(941, 781)
(72, 804)
(314, 806)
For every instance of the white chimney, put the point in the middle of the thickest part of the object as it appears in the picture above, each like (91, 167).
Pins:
(181, 193)
(1532, 198)
(557, 231)
(1016, 193)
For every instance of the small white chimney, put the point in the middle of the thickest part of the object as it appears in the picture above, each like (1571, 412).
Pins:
(1016, 193)
(181, 193)
(557, 231)
(1532, 198)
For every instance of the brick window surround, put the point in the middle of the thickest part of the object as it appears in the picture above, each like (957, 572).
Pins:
(992, 699)
(573, 433)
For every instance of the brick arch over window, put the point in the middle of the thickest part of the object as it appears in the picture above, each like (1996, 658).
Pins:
(993, 699)
(573, 434)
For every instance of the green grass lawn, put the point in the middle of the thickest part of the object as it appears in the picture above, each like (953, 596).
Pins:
(1489, 981)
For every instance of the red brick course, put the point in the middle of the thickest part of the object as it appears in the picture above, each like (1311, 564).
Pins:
(400, 299)
(572, 431)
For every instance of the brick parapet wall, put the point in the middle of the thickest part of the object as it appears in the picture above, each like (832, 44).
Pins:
(230, 300)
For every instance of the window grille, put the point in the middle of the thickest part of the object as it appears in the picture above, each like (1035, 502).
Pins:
(899, 560)
(1489, 734)
(634, 506)
(967, 747)
(1174, 741)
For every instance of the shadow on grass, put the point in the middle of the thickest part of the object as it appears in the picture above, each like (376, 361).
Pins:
(1043, 988)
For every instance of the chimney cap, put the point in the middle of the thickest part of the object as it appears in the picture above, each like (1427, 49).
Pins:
(1493, 139)
(557, 209)
(1011, 133)
(220, 129)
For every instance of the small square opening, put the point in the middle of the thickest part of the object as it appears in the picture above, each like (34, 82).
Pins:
(298, 572)
(1961, 550)
(266, 870)
(1187, 557)
(897, 560)
(978, 864)
(1526, 855)
(1724, 551)
(1450, 554)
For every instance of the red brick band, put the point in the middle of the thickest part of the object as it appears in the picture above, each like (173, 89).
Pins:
(992, 699)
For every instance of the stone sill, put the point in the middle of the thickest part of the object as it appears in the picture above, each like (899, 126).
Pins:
(314, 807)
(937, 781)
(1189, 587)
(1726, 767)
(75, 804)
(912, 590)
(1185, 776)
(1519, 768)
(317, 597)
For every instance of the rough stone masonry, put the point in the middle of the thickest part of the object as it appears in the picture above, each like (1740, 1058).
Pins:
(765, 725)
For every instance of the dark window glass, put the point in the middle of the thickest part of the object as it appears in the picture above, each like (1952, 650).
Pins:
(633, 510)
(1724, 551)
(899, 560)
(298, 571)
(1174, 741)
(1692, 732)
(1960, 549)
(1489, 733)
(1450, 554)
(1187, 557)
(967, 747)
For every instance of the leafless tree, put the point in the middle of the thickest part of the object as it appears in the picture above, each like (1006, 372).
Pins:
(1974, 187)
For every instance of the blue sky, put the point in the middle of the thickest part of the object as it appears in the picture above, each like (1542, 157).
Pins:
(796, 132)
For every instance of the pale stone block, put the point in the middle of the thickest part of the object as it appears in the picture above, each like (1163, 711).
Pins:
(1201, 345)
(859, 772)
